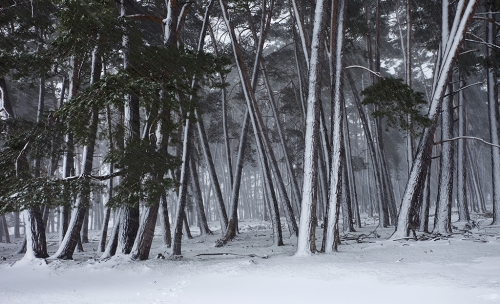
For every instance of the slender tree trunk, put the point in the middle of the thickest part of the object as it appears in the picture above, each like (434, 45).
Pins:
(442, 219)
(200, 210)
(17, 233)
(107, 212)
(494, 119)
(79, 217)
(256, 120)
(231, 228)
(426, 202)
(408, 80)
(165, 221)
(307, 230)
(129, 223)
(5, 228)
(113, 238)
(463, 208)
(181, 197)
(69, 159)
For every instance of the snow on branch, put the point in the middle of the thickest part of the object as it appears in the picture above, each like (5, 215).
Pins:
(96, 177)
(364, 68)
(467, 137)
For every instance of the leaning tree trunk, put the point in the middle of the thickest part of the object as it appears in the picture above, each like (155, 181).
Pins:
(338, 157)
(200, 209)
(494, 120)
(443, 70)
(5, 228)
(107, 209)
(235, 190)
(258, 124)
(463, 208)
(233, 221)
(181, 198)
(113, 238)
(72, 237)
(69, 157)
(442, 219)
(129, 222)
(36, 242)
(426, 202)
(250, 98)
(307, 229)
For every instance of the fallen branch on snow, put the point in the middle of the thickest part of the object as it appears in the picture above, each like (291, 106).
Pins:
(235, 254)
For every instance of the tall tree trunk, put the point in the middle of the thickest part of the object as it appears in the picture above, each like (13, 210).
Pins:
(200, 210)
(256, 120)
(232, 225)
(494, 119)
(165, 222)
(260, 131)
(408, 80)
(426, 202)
(182, 194)
(80, 213)
(68, 158)
(107, 212)
(204, 140)
(463, 208)
(421, 161)
(307, 229)
(442, 219)
(36, 242)
(129, 223)
(5, 228)
(113, 238)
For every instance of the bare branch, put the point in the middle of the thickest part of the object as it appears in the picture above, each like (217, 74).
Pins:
(467, 137)
(364, 68)
(463, 88)
(96, 177)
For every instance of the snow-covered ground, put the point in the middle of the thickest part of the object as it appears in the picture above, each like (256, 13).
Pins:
(460, 269)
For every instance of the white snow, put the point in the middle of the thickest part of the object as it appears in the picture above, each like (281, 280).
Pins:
(455, 270)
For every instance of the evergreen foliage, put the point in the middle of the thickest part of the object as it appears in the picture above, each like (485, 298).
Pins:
(396, 101)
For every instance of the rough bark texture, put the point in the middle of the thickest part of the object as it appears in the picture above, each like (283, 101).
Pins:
(144, 239)
(36, 246)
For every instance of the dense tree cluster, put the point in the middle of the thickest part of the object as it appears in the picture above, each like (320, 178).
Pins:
(190, 112)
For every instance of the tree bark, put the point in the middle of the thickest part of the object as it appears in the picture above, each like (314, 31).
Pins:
(307, 230)
(463, 208)
(200, 210)
(494, 120)
(442, 219)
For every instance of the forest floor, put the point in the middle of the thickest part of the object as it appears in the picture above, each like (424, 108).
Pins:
(463, 268)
